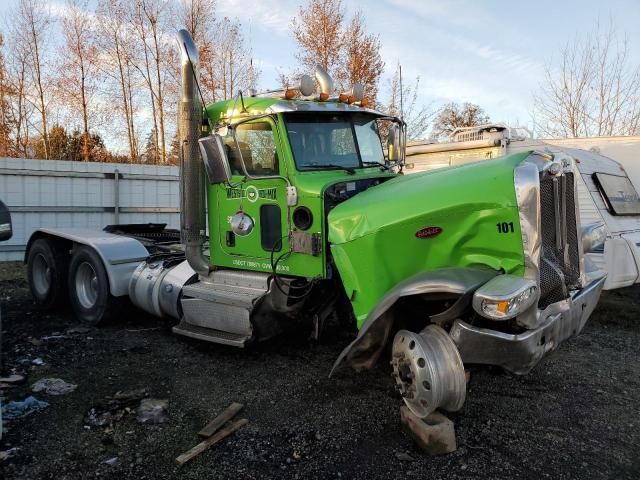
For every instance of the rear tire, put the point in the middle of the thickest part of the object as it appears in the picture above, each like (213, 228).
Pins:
(89, 292)
(47, 265)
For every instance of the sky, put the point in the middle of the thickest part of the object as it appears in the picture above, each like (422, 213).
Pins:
(492, 53)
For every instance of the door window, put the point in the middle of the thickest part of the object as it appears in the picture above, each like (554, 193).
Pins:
(257, 147)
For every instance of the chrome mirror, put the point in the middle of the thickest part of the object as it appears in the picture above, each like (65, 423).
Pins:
(393, 143)
(214, 157)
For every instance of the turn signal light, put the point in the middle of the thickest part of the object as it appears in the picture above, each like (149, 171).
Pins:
(504, 297)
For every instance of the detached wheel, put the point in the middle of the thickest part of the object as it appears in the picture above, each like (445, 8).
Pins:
(88, 284)
(47, 265)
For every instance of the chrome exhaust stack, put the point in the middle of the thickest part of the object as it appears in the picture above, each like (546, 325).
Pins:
(193, 222)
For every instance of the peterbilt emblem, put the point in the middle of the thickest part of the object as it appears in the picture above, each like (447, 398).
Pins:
(428, 232)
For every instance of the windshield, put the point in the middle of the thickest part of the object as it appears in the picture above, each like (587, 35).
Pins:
(343, 140)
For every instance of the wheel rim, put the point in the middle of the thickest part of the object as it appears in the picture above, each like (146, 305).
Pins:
(41, 275)
(428, 370)
(86, 285)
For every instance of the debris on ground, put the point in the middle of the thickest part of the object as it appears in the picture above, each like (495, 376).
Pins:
(213, 426)
(211, 441)
(37, 361)
(114, 408)
(79, 330)
(7, 454)
(152, 411)
(29, 405)
(56, 336)
(112, 461)
(404, 457)
(12, 379)
(435, 434)
(53, 386)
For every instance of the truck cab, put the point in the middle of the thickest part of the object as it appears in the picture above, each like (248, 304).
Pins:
(289, 167)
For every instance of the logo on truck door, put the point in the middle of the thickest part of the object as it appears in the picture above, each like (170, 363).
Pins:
(251, 193)
(428, 232)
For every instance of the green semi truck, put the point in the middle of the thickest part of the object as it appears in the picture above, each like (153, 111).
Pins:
(295, 209)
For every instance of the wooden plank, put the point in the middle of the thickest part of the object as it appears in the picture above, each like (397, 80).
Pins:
(209, 442)
(213, 426)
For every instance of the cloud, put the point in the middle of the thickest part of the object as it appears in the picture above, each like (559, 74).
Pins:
(272, 15)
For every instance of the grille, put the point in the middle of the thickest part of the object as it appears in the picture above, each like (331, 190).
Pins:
(560, 262)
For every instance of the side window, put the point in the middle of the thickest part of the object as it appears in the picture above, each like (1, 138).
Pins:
(257, 147)
(619, 194)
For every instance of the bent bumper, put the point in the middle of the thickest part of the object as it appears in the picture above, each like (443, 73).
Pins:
(520, 353)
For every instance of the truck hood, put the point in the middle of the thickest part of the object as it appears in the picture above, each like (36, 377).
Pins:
(465, 216)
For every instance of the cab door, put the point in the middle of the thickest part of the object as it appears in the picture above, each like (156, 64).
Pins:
(260, 203)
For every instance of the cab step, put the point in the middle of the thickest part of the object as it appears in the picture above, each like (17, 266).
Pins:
(211, 335)
(218, 308)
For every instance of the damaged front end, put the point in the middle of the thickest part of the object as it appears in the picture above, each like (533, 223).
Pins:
(481, 308)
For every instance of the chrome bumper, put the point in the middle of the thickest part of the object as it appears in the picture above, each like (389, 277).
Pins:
(520, 353)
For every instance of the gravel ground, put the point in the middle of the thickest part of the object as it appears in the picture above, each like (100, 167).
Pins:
(574, 416)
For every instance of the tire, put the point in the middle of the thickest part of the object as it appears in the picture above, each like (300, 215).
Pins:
(89, 292)
(47, 266)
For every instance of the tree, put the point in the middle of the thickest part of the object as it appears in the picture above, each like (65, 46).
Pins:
(363, 63)
(31, 26)
(232, 68)
(454, 116)
(593, 90)
(77, 80)
(151, 153)
(418, 117)
(76, 145)
(319, 35)
(114, 43)
(59, 143)
(347, 53)
(148, 18)
(20, 108)
(6, 120)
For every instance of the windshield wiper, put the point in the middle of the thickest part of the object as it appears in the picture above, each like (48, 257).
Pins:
(383, 166)
(332, 166)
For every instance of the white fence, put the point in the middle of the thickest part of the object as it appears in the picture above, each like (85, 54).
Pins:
(56, 193)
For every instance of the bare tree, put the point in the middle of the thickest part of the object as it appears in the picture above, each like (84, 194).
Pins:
(453, 116)
(77, 82)
(363, 63)
(593, 90)
(148, 18)
(6, 121)
(318, 31)
(417, 116)
(31, 26)
(21, 108)
(232, 67)
(114, 42)
(200, 20)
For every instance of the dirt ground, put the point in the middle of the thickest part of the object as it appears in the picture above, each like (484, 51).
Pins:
(575, 416)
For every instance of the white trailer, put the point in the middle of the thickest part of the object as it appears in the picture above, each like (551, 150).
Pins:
(610, 171)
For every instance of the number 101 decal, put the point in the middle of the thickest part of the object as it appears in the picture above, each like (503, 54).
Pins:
(504, 227)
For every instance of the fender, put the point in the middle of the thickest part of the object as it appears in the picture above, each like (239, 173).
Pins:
(364, 351)
(120, 255)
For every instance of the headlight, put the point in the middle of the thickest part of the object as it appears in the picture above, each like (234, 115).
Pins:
(504, 297)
